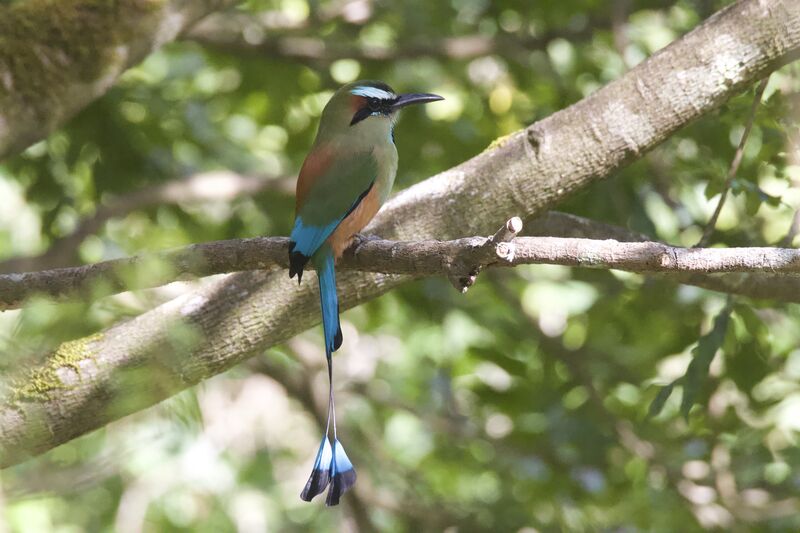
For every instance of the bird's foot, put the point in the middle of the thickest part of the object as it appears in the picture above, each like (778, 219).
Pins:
(360, 238)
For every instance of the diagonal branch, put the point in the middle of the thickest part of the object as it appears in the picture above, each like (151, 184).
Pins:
(87, 383)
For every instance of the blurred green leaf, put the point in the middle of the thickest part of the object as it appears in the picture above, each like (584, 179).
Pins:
(660, 400)
(702, 355)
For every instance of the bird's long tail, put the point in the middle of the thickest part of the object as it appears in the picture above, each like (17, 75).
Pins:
(331, 464)
(328, 299)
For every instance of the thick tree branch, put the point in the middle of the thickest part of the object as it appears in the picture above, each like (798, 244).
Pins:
(56, 57)
(459, 259)
(87, 383)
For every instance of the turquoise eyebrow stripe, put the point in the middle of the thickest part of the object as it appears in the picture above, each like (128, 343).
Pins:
(372, 92)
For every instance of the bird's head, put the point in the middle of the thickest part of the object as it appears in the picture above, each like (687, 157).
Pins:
(368, 105)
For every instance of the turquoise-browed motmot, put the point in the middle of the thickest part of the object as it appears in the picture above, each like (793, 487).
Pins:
(343, 182)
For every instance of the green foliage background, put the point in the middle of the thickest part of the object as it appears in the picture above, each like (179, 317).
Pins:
(520, 406)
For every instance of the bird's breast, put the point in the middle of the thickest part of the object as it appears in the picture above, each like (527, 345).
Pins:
(365, 211)
(358, 218)
(387, 170)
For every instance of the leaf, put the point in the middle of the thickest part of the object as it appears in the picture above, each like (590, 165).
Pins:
(774, 201)
(753, 323)
(748, 350)
(660, 400)
(703, 354)
(756, 196)
(713, 187)
(751, 204)
(736, 187)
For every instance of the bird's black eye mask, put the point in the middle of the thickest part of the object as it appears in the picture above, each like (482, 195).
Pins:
(373, 106)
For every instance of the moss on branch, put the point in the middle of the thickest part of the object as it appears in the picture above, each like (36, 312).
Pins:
(47, 44)
(41, 381)
(56, 56)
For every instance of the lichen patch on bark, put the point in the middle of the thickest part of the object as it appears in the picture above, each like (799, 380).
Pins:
(49, 46)
(40, 382)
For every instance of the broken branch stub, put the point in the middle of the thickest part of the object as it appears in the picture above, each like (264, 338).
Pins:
(463, 273)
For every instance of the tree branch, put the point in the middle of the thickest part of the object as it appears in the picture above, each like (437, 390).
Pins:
(56, 57)
(734, 167)
(760, 285)
(87, 383)
(459, 259)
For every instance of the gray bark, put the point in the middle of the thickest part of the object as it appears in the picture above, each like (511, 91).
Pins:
(90, 382)
(56, 57)
(457, 259)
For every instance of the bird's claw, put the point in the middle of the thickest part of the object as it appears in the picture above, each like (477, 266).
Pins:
(360, 238)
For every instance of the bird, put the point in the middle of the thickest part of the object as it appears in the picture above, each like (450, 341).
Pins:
(345, 178)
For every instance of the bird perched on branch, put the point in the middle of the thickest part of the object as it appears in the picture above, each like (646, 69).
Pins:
(344, 180)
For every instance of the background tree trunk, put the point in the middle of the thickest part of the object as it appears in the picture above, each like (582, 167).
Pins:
(57, 57)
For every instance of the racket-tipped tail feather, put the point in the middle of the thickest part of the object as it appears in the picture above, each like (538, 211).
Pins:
(343, 475)
(321, 474)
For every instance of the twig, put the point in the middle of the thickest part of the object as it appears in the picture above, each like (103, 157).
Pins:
(619, 27)
(503, 247)
(737, 160)
(459, 258)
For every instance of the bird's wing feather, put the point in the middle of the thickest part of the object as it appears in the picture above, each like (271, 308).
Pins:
(329, 196)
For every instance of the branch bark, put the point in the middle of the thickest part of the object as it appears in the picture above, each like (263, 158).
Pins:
(56, 57)
(459, 260)
(760, 285)
(87, 383)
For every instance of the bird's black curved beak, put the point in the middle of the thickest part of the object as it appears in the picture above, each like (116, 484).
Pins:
(415, 98)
